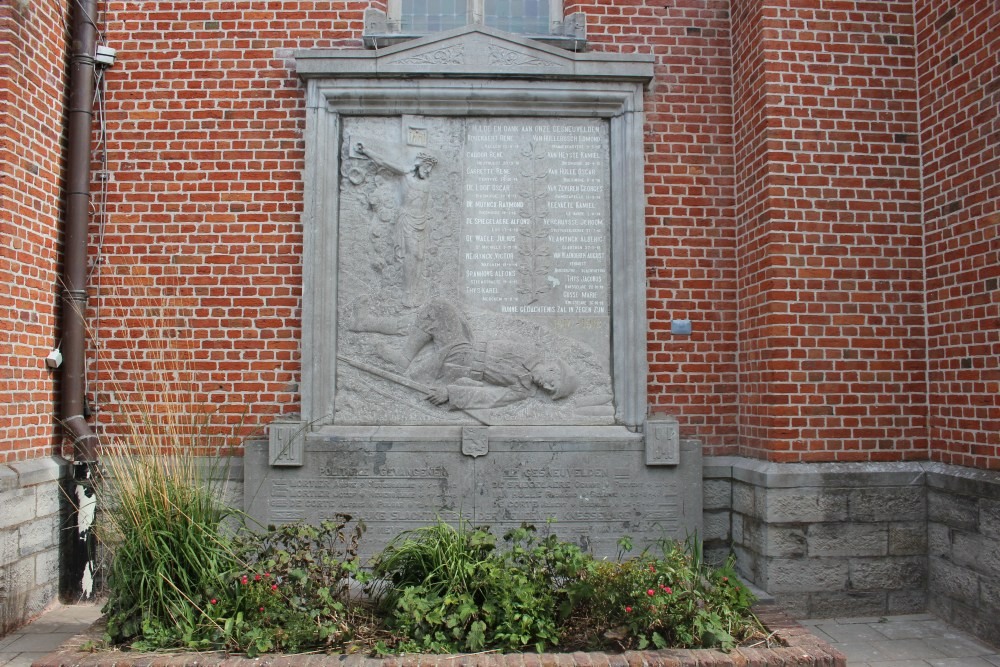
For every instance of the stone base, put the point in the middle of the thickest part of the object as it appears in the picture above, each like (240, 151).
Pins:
(593, 482)
(856, 539)
(963, 535)
(31, 499)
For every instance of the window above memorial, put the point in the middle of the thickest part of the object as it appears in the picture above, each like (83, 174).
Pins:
(537, 19)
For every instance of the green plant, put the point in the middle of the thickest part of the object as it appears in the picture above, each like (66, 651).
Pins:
(163, 526)
(672, 599)
(166, 449)
(449, 589)
(296, 591)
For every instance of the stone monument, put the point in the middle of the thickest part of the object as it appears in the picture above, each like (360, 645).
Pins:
(474, 304)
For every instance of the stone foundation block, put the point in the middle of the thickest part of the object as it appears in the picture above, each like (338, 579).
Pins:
(908, 539)
(888, 573)
(954, 511)
(806, 574)
(907, 503)
(717, 494)
(989, 518)
(784, 541)
(31, 498)
(960, 582)
(848, 539)
(828, 604)
(806, 505)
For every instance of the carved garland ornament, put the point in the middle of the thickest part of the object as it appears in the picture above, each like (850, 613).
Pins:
(500, 57)
(451, 55)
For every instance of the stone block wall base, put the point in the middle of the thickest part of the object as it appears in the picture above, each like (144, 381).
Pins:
(29, 538)
(861, 539)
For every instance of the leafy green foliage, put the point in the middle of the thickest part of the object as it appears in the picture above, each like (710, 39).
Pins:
(295, 594)
(668, 600)
(180, 580)
(449, 589)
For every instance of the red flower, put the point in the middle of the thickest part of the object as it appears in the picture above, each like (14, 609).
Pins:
(274, 587)
(243, 579)
(256, 577)
(214, 601)
(650, 592)
(262, 609)
(628, 610)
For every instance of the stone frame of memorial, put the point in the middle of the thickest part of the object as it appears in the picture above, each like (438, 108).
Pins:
(473, 71)
(603, 464)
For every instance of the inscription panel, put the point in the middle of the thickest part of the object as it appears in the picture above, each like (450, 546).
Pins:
(536, 205)
(593, 497)
(594, 490)
(391, 491)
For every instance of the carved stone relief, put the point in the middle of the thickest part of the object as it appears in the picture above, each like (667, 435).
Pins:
(473, 276)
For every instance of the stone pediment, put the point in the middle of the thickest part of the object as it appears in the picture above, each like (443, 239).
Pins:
(473, 51)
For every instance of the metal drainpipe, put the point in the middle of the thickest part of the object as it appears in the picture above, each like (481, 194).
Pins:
(78, 568)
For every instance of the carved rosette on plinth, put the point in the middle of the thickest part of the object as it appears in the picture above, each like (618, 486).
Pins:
(474, 304)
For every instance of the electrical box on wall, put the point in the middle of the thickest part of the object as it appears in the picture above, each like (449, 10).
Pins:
(105, 56)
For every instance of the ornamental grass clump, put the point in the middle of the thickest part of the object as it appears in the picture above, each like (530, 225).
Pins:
(165, 452)
(163, 524)
(187, 573)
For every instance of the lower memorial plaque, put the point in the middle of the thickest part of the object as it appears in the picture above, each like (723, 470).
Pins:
(589, 484)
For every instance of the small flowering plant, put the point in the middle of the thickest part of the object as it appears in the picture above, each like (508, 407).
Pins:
(670, 600)
(251, 614)
(293, 593)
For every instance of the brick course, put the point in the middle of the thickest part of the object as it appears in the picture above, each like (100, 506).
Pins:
(32, 79)
(959, 94)
(829, 241)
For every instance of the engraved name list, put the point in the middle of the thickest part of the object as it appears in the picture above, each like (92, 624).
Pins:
(535, 238)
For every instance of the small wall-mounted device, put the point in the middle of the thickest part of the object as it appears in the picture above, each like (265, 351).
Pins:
(680, 327)
(105, 56)
(54, 359)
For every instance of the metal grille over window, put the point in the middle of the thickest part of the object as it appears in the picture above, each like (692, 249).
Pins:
(540, 20)
(425, 16)
(526, 17)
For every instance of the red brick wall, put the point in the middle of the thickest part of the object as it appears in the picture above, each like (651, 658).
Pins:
(32, 75)
(830, 255)
(204, 122)
(959, 93)
(784, 214)
(691, 272)
(751, 106)
(205, 117)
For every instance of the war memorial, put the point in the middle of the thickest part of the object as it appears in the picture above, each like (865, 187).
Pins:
(699, 268)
